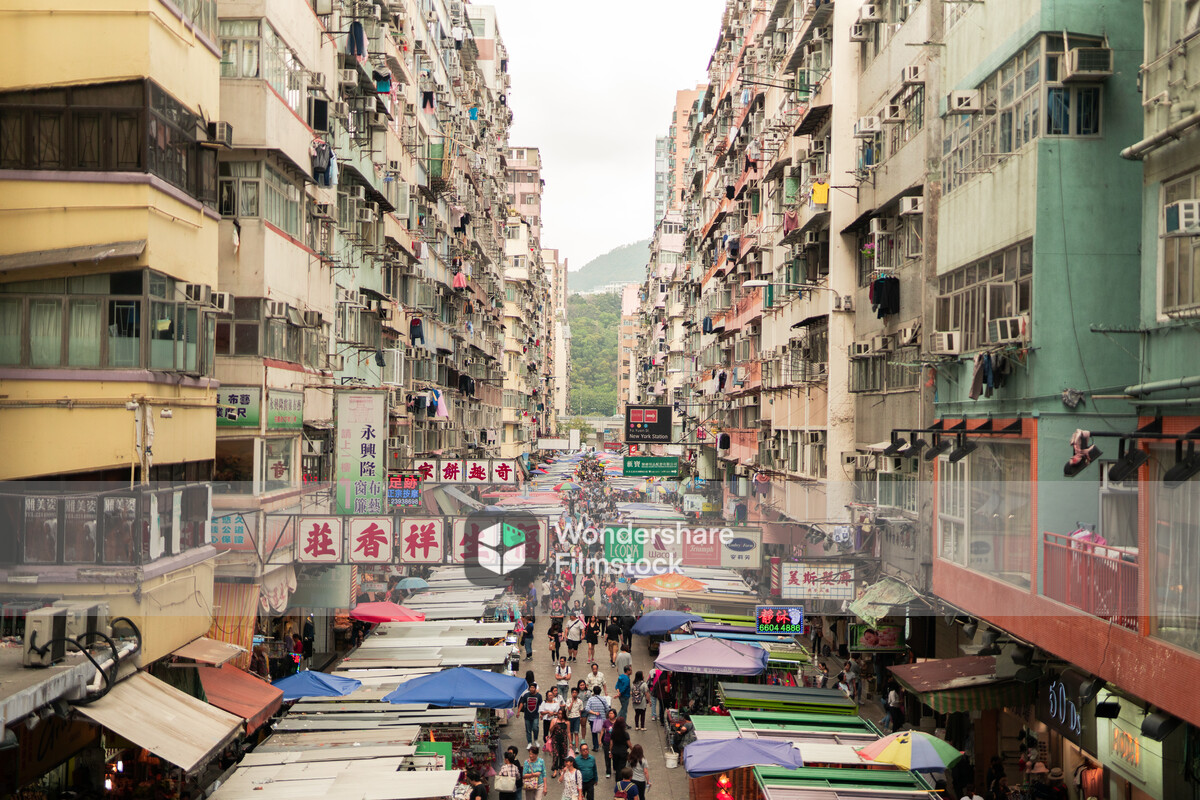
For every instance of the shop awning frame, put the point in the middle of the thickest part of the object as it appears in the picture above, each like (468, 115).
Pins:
(241, 694)
(209, 651)
(880, 598)
(969, 683)
(174, 726)
(79, 254)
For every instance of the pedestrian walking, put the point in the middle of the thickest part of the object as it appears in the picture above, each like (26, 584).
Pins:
(620, 745)
(574, 716)
(640, 696)
(612, 636)
(548, 710)
(530, 705)
(625, 788)
(610, 721)
(624, 687)
(595, 678)
(592, 634)
(528, 636)
(597, 710)
(585, 762)
(572, 781)
(533, 774)
(508, 779)
(574, 637)
(624, 658)
(558, 738)
(640, 769)
(562, 674)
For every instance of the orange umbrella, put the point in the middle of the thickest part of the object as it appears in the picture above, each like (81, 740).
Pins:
(669, 582)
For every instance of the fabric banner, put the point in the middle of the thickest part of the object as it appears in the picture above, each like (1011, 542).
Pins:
(235, 608)
(277, 587)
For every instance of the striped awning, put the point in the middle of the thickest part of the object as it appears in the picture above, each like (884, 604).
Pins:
(235, 608)
(1002, 694)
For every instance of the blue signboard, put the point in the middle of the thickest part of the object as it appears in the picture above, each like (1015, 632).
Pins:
(779, 619)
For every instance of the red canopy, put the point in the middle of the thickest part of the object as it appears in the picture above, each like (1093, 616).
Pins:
(241, 694)
(384, 611)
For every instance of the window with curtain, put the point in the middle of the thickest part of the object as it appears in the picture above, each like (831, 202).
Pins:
(238, 188)
(10, 330)
(45, 332)
(83, 337)
(124, 333)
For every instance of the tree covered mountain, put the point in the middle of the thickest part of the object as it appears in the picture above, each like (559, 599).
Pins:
(626, 263)
(595, 322)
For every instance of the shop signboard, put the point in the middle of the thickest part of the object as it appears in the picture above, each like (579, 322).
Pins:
(1058, 704)
(465, 536)
(1121, 747)
(817, 580)
(476, 471)
(370, 540)
(234, 531)
(693, 503)
(404, 490)
(239, 407)
(421, 540)
(651, 466)
(880, 639)
(779, 619)
(743, 550)
(503, 471)
(360, 451)
(285, 410)
(450, 471)
(320, 540)
(648, 424)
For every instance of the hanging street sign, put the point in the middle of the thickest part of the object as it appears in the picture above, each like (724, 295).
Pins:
(652, 466)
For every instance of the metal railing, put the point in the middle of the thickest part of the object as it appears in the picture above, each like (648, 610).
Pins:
(1097, 579)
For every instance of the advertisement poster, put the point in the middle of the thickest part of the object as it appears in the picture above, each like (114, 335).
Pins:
(360, 451)
(239, 407)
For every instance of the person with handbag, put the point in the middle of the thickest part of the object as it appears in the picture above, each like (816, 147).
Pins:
(572, 781)
(509, 776)
(596, 708)
(619, 741)
(625, 788)
(533, 775)
(606, 741)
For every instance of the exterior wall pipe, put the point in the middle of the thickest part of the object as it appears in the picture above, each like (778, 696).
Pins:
(1135, 151)
(1163, 386)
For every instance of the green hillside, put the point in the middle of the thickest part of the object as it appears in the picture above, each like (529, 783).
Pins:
(595, 321)
(625, 263)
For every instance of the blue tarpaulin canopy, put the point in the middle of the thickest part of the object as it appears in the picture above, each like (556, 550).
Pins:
(659, 622)
(315, 684)
(460, 687)
(709, 756)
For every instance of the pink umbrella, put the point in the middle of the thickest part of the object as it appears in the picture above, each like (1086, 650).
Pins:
(384, 611)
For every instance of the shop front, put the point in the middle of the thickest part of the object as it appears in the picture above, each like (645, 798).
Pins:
(1136, 765)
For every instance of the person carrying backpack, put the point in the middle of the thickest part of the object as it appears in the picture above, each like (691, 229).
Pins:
(640, 693)
(625, 788)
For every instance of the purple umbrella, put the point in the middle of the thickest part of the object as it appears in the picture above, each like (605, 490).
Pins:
(710, 756)
(711, 656)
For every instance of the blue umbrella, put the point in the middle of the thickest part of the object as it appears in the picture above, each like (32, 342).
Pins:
(659, 622)
(460, 687)
(412, 583)
(315, 684)
(710, 756)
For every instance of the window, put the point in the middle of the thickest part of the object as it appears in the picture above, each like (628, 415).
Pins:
(897, 490)
(283, 202)
(1174, 521)
(238, 188)
(1015, 99)
(983, 510)
(1180, 259)
(478, 27)
(991, 288)
(247, 53)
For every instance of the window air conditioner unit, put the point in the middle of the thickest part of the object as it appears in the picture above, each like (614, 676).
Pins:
(276, 309)
(358, 192)
(816, 148)
(348, 78)
(881, 226)
(866, 127)
(912, 206)
(335, 361)
(893, 113)
(312, 318)
(946, 343)
(820, 34)
(1008, 329)
(909, 335)
(220, 133)
(197, 293)
(1182, 218)
(222, 302)
(812, 238)
(860, 32)
(1087, 64)
(864, 461)
(340, 109)
(395, 443)
(881, 344)
(890, 465)
(912, 75)
(859, 349)
(963, 102)
(870, 12)
(45, 626)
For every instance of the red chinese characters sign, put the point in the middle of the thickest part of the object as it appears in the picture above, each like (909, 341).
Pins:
(464, 540)
(476, 471)
(504, 472)
(818, 580)
(319, 540)
(369, 540)
(450, 472)
(421, 540)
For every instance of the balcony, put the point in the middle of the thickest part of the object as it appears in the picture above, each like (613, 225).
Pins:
(1097, 579)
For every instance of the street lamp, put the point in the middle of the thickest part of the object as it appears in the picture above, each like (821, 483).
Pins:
(840, 302)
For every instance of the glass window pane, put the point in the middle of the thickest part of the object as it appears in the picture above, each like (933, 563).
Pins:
(245, 342)
(1058, 112)
(187, 345)
(249, 198)
(41, 530)
(45, 332)
(83, 339)
(162, 335)
(124, 333)
(1087, 112)
(10, 330)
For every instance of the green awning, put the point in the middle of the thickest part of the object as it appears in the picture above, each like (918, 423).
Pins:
(880, 598)
(1003, 694)
(966, 683)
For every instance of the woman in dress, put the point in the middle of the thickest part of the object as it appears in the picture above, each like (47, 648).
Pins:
(559, 736)
(572, 781)
(592, 634)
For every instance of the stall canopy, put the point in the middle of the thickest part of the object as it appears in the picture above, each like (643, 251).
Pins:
(969, 683)
(242, 694)
(315, 684)
(712, 756)
(711, 657)
(461, 687)
(668, 583)
(174, 726)
(209, 651)
(385, 611)
(659, 622)
(880, 598)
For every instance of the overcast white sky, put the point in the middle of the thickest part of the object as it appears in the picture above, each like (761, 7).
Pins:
(592, 85)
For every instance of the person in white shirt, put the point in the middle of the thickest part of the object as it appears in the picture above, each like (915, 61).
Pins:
(594, 678)
(574, 636)
(562, 674)
(969, 794)
(548, 710)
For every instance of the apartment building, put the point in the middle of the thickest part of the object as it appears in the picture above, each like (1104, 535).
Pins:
(557, 268)
(628, 347)
(108, 255)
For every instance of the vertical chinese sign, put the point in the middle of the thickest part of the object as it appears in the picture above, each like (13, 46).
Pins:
(361, 448)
